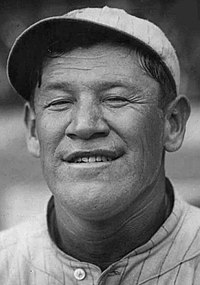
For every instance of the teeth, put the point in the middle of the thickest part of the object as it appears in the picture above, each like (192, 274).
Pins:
(85, 159)
(98, 158)
(92, 159)
(103, 158)
(77, 160)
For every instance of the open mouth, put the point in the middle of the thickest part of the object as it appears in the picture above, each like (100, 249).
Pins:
(91, 159)
(98, 156)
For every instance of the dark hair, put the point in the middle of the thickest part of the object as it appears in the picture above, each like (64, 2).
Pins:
(148, 59)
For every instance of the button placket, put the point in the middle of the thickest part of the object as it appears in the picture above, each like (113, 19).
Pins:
(114, 274)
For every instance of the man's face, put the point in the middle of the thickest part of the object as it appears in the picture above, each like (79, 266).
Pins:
(100, 130)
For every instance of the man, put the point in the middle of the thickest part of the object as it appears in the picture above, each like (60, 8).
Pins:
(102, 108)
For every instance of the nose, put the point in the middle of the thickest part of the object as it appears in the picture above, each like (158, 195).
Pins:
(87, 122)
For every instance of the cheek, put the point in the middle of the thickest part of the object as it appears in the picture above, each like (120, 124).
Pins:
(50, 132)
(144, 124)
(142, 131)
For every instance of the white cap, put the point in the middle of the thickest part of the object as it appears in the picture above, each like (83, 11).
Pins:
(29, 44)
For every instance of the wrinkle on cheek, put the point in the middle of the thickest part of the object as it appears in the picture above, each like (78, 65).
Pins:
(48, 135)
(144, 160)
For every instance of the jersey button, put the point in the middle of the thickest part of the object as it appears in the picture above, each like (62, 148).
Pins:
(79, 274)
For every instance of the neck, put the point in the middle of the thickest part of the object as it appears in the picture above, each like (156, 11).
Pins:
(96, 242)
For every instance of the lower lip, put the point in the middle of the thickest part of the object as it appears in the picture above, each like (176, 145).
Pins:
(90, 164)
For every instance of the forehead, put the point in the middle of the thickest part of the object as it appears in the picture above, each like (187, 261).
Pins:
(92, 57)
(99, 63)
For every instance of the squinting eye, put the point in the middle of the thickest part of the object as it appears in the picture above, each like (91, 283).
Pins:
(60, 104)
(116, 101)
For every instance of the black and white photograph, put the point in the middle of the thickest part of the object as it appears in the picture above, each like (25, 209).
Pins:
(100, 142)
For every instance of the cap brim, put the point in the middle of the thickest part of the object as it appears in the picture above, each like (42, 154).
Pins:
(30, 45)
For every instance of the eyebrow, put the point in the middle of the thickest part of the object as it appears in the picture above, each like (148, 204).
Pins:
(99, 85)
(63, 86)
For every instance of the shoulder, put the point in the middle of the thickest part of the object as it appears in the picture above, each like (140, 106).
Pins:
(187, 234)
(27, 253)
(21, 233)
(191, 220)
(23, 243)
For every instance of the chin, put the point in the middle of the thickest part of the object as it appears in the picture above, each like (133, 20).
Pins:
(89, 200)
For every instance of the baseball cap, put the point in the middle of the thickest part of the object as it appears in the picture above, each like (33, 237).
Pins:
(28, 46)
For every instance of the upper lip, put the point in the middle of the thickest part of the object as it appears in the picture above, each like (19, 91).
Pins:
(89, 153)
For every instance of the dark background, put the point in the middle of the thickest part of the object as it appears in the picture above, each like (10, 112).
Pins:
(22, 190)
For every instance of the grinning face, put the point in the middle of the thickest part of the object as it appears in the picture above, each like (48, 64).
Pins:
(99, 130)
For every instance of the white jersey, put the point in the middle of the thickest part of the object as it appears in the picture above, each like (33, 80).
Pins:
(28, 256)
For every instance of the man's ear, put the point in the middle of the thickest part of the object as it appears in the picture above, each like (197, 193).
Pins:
(176, 116)
(31, 133)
